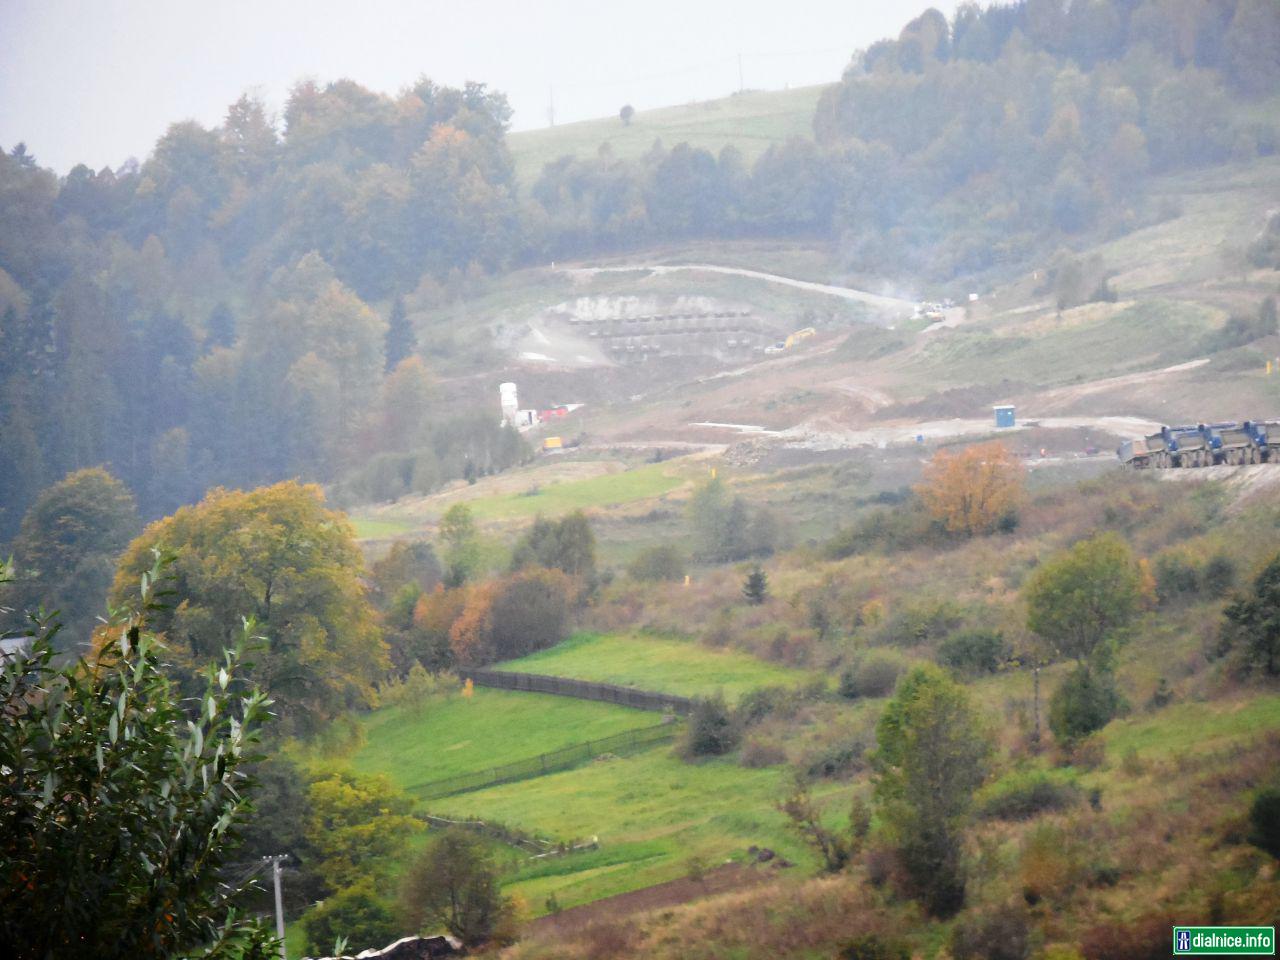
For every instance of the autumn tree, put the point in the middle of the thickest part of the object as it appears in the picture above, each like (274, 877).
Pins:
(508, 618)
(67, 547)
(355, 826)
(931, 757)
(974, 491)
(277, 555)
(434, 615)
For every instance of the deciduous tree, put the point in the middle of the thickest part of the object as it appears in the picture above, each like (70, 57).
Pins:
(277, 555)
(973, 491)
(931, 756)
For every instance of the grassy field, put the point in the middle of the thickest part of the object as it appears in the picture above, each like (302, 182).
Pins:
(556, 499)
(751, 121)
(1140, 336)
(652, 813)
(454, 734)
(680, 667)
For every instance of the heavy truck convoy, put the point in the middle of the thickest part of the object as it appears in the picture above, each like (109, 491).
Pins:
(1205, 445)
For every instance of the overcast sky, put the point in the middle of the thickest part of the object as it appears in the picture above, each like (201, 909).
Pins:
(97, 81)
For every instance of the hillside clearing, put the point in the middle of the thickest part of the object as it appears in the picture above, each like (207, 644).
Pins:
(751, 121)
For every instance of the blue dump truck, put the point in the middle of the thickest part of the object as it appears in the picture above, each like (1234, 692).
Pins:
(1204, 445)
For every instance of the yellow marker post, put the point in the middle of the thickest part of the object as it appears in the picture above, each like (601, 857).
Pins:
(686, 580)
(713, 473)
(468, 688)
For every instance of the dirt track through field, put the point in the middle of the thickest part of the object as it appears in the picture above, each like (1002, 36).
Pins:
(845, 293)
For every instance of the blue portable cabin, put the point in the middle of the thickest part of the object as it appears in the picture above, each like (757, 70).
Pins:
(1004, 415)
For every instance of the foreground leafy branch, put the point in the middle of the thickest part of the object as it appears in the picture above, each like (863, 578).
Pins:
(119, 802)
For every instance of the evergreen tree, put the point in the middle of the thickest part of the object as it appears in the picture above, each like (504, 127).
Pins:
(756, 586)
(401, 339)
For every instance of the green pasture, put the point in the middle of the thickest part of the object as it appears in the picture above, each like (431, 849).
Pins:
(453, 734)
(681, 667)
(751, 121)
(557, 498)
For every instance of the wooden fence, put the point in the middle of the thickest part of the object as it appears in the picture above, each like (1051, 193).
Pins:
(583, 690)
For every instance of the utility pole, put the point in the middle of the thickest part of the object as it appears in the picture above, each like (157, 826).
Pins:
(275, 876)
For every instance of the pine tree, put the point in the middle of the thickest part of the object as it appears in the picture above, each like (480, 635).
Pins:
(401, 340)
(756, 586)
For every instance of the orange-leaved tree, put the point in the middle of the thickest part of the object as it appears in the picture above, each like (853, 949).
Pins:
(975, 490)
(513, 616)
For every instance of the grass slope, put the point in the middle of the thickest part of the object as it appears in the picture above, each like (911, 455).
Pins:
(751, 121)
(453, 734)
(680, 667)
(652, 813)
(560, 498)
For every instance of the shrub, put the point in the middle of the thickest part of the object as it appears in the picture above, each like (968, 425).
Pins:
(1086, 701)
(356, 913)
(1147, 938)
(1264, 817)
(758, 753)
(874, 675)
(712, 731)
(1051, 864)
(1218, 575)
(974, 652)
(873, 947)
(1001, 933)
(1177, 575)
(1021, 796)
(657, 564)
(764, 701)
(837, 758)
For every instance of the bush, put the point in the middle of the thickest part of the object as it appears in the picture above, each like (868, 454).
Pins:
(998, 934)
(874, 675)
(1086, 701)
(1147, 938)
(712, 731)
(1021, 796)
(657, 564)
(1218, 575)
(1177, 575)
(974, 652)
(764, 701)
(356, 913)
(1264, 817)
(873, 947)
(758, 753)
(841, 757)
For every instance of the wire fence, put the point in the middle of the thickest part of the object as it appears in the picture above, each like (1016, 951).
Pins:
(625, 742)
(583, 690)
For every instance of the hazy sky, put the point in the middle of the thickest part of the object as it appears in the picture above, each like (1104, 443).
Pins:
(97, 81)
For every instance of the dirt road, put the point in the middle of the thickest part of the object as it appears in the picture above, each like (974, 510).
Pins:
(892, 304)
